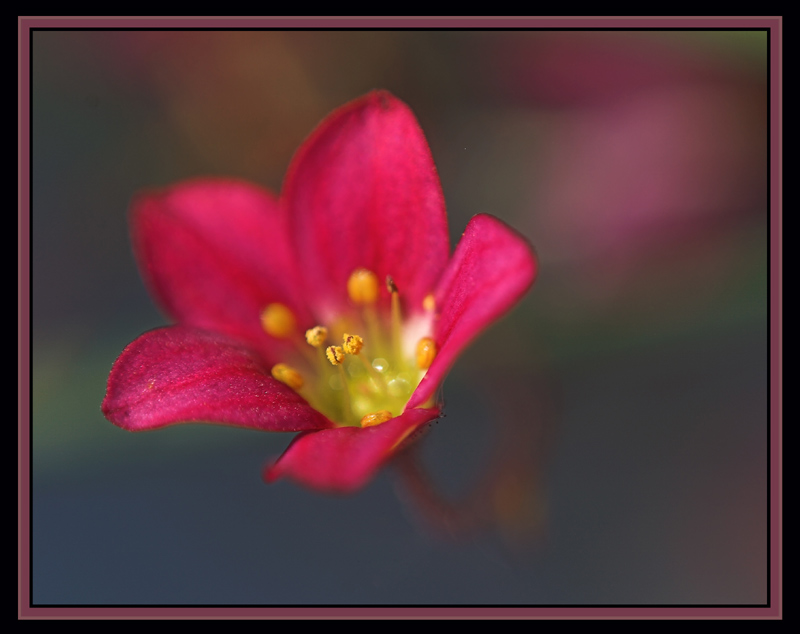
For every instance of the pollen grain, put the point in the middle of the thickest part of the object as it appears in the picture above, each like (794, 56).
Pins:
(352, 344)
(335, 355)
(316, 336)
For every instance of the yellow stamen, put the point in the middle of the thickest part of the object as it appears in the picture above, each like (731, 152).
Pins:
(287, 375)
(362, 287)
(370, 317)
(352, 344)
(277, 320)
(376, 418)
(335, 355)
(429, 303)
(397, 321)
(426, 352)
(316, 336)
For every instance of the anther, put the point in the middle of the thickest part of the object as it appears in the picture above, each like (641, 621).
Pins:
(277, 320)
(316, 336)
(376, 418)
(426, 352)
(352, 344)
(362, 287)
(335, 355)
(429, 303)
(287, 375)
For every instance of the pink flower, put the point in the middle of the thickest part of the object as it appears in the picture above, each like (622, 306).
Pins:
(334, 311)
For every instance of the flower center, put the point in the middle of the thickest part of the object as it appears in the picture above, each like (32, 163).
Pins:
(369, 377)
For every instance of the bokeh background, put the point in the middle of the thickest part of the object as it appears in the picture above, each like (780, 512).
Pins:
(606, 443)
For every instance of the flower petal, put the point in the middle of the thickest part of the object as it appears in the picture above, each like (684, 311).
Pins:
(214, 253)
(345, 458)
(176, 374)
(363, 191)
(492, 267)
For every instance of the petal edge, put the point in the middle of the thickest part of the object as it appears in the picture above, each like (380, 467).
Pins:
(177, 375)
(363, 191)
(214, 252)
(344, 459)
(492, 268)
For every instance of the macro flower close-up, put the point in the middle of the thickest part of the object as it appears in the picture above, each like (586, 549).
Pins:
(334, 309)
(401, 316)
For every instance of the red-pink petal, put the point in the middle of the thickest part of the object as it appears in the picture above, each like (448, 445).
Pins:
(345, 458)
(492, 267)
(214, 253)
(363, 191)
(177, 375)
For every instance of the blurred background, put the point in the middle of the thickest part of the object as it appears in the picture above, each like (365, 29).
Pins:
(606, 443)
